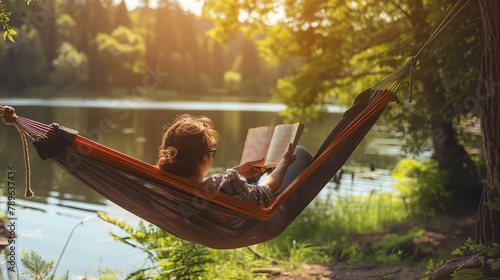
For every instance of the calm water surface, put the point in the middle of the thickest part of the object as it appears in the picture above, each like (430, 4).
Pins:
(62, 204)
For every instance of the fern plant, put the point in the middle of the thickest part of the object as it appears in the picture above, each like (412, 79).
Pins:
(490, 250)
(37, 268)
(170, 256)
(182, 259)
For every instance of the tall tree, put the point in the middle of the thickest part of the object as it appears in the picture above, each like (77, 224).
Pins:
(251, 84)
(66, 30)
(122, 17)
(123, 51)
(166, 41)
(44, 17)
(488, 224)
(217, 63)
(146, 21)
(249, 67)
(457, 166)
(191, 44)
(92, 18)
(349, 45)
(212, 61)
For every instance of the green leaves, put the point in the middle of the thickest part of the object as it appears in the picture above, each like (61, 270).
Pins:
(490, 250)
(39, 269)
(8, 32)
(36, 267)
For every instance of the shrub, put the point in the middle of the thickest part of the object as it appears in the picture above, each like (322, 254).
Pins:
(421, 185)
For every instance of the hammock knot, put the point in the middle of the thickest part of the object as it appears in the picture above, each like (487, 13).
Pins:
(412, 60)
(8, 115)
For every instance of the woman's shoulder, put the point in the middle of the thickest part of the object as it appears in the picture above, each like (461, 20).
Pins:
(229, 174)
(232, 171)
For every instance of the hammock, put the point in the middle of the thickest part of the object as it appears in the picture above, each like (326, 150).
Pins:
(189, 210)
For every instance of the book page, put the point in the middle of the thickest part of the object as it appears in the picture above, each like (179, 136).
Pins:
(283, 135)
(257, 143)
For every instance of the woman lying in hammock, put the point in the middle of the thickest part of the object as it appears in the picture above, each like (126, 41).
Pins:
(189, 145)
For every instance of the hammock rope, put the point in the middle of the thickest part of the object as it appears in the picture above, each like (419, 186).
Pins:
(401, 73)
(455, 10)
(9, 117)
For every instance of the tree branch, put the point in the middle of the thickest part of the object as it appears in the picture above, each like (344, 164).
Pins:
(399, 7)
(445, 270)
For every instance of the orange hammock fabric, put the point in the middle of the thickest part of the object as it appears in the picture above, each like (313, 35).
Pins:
(190, 210)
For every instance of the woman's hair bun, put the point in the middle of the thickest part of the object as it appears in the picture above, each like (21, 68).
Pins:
(168, 155)
(168, 161)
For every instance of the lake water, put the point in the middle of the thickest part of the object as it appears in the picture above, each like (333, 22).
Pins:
(63, 205)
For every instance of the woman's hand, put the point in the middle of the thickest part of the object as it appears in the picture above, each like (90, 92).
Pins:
(249, 170)
(289, 156)
(275, 178)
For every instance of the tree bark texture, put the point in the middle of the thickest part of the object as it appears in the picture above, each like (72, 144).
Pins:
(445, 271)
(488, 224)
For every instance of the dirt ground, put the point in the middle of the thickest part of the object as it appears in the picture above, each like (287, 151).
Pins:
(444, 235)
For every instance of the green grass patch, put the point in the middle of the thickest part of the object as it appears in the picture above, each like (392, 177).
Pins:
(330, 219)
(321, 234)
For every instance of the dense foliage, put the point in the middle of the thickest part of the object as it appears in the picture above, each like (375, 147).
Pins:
(96, 46)
(347, 46)
(421, 186)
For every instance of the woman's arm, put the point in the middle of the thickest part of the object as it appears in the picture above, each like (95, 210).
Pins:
(275, 178)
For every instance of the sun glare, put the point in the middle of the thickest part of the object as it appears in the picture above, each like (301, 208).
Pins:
(193, 6)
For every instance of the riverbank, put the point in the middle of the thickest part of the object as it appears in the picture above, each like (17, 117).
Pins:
(443, 235)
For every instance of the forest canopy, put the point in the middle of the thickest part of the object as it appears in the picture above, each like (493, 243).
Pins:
(95, 47)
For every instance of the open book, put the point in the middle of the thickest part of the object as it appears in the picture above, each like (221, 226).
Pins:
(270, 142)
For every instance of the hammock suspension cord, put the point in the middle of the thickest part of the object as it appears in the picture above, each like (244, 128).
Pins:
(400, 74)
(455, 10)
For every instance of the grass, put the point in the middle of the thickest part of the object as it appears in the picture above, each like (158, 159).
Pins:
(329, 219)
(329, 224)
(319, 235)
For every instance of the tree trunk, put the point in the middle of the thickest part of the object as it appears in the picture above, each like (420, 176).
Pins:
(461, 177)
(488, 224)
